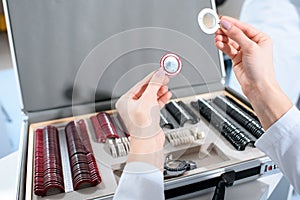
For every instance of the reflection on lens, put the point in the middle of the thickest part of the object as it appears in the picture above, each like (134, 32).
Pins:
(171, 64)
(209, 21)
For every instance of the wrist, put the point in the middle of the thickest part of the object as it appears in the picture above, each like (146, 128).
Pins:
(155, 158)
(269, 102)
(258, 90)
(148, 150)
(146, 145)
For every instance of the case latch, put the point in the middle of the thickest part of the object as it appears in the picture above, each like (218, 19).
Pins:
(227, 180)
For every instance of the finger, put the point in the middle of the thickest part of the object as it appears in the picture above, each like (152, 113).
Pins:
(163, 100)
(154, 84)
(138, 94)
(227, 49)
(248, 30)
(137, 90)
(225, 39)
(236, 34)
(219, 32)
(222, 37)
(166, 80)
(163, 90)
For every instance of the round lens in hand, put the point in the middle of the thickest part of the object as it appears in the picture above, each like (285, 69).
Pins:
(171, 64)
(208, 21)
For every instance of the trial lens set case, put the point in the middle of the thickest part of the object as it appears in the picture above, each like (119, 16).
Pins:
(74, 59)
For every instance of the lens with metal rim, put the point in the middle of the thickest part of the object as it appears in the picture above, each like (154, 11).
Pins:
(171, 64)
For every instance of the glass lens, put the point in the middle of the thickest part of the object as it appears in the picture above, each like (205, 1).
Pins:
(209, 20)
(171, 64)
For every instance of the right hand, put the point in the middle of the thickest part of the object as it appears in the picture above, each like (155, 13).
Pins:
(251, 52)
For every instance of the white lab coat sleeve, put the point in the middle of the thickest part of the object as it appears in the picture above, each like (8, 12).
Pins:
(281, 142)
(140, 181)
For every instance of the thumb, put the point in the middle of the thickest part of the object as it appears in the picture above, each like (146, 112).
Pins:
(236, 34)
(155, 83)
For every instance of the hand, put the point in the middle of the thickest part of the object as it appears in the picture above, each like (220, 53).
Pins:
(140, 108)
(251, 52)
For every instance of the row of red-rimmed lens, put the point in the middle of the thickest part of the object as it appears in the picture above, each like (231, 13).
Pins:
(75, 145)
(95, 175)
(107, 125)
(103, 127)
(48, 178)
(85, 172)
(100, 136)
(84, 135)
(84, 169)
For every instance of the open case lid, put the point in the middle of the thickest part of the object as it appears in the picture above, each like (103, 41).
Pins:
(73, 52)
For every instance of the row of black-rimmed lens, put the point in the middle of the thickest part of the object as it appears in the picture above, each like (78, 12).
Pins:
(232, 133)
(238, 115)
(243, 108)
(83, 165)
(48, 175)
(176, 114)
(106, 128)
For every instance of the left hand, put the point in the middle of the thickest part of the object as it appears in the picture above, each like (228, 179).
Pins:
(140, 108)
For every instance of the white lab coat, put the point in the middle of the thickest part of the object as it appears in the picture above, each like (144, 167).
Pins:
(140, 181)
(280, 142)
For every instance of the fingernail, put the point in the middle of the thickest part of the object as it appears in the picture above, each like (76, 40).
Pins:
(160, 72)
(225, 24)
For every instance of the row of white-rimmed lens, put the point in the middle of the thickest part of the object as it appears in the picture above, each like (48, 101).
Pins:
(184, 136)
(119, 147)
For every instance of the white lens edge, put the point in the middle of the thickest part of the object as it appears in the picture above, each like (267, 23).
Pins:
(201, 24)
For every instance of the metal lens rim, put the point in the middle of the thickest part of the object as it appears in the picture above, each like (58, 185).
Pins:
(162, 60)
